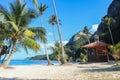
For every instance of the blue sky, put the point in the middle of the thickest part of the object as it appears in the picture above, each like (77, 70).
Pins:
(74, 15)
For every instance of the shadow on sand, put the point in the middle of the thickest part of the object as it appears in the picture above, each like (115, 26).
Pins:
(1, 78)
(113, 68)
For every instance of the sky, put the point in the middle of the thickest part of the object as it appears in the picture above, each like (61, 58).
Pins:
(74, 15)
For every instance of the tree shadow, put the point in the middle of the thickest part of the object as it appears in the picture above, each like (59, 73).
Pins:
(2, 78)
(10, 68)
(113, 68)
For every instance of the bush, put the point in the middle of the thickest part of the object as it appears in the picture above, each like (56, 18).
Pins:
(115, 49)
(83, 57)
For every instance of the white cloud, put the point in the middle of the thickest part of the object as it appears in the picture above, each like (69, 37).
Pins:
(41, 45)
(64, 42)
(50, 34)
(50, 44)
(94, 28)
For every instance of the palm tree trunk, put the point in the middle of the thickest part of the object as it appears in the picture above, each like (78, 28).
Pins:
(111, 35)
(64, 61)
(53, 33)
(108, 57)
(49, 62)
(41, 20)
(59, 61)
(5, 64)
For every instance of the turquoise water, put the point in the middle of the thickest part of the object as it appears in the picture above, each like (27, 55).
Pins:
(30, 62)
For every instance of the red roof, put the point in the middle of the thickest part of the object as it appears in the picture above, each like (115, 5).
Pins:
(95, 44)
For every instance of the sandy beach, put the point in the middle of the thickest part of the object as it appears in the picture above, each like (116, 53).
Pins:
(90, 71)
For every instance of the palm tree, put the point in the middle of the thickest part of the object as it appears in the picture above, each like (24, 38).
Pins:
(86, 31)
(108, 20)
(15, 28)
(64, 61)
(56, 50)
(52, 20)
(115, 49)
(41, 10)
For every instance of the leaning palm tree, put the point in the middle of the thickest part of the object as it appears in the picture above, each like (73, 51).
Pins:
(64, 61)
(15, 28)
(41, 9)
(86, 31)
(108, 20)
(25, 37)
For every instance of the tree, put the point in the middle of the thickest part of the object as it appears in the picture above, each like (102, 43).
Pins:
(86, 31)
(41, 9)
(64, 61)
(15, 28)
(56, 51)
(108, 20)
(52, 20)
(115, 49)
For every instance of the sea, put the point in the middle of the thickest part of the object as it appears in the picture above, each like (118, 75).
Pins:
(31, 62)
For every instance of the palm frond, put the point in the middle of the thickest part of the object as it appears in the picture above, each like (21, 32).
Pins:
(53, 20)
(13, 25)
(35, 3)
(42, 8)
(28, 16)
(26, 50)
(30, 43)
(108, 20)
(5, 13)
(28, 33)
(40, 33)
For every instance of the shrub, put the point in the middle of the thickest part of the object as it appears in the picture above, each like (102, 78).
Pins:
(115, 49)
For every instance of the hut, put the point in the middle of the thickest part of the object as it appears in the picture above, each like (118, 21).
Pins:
(99, 51)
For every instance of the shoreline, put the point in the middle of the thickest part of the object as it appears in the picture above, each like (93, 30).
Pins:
(88, 71)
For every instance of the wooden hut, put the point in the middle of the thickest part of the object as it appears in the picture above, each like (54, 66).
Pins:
(100, 51)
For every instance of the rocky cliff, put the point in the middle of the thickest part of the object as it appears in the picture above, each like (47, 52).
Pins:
(114, 12)
(72, 48)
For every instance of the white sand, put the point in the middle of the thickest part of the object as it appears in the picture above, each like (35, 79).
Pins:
(92, 71)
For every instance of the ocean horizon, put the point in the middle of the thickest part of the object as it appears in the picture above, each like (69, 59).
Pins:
(31, 62)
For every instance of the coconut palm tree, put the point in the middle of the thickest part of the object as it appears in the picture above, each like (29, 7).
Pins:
(64, 61)
(52, 20)
(15, 28)
(56, 50)
(108, 20)
(41, 9)
(86, 31)
(19, 36)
